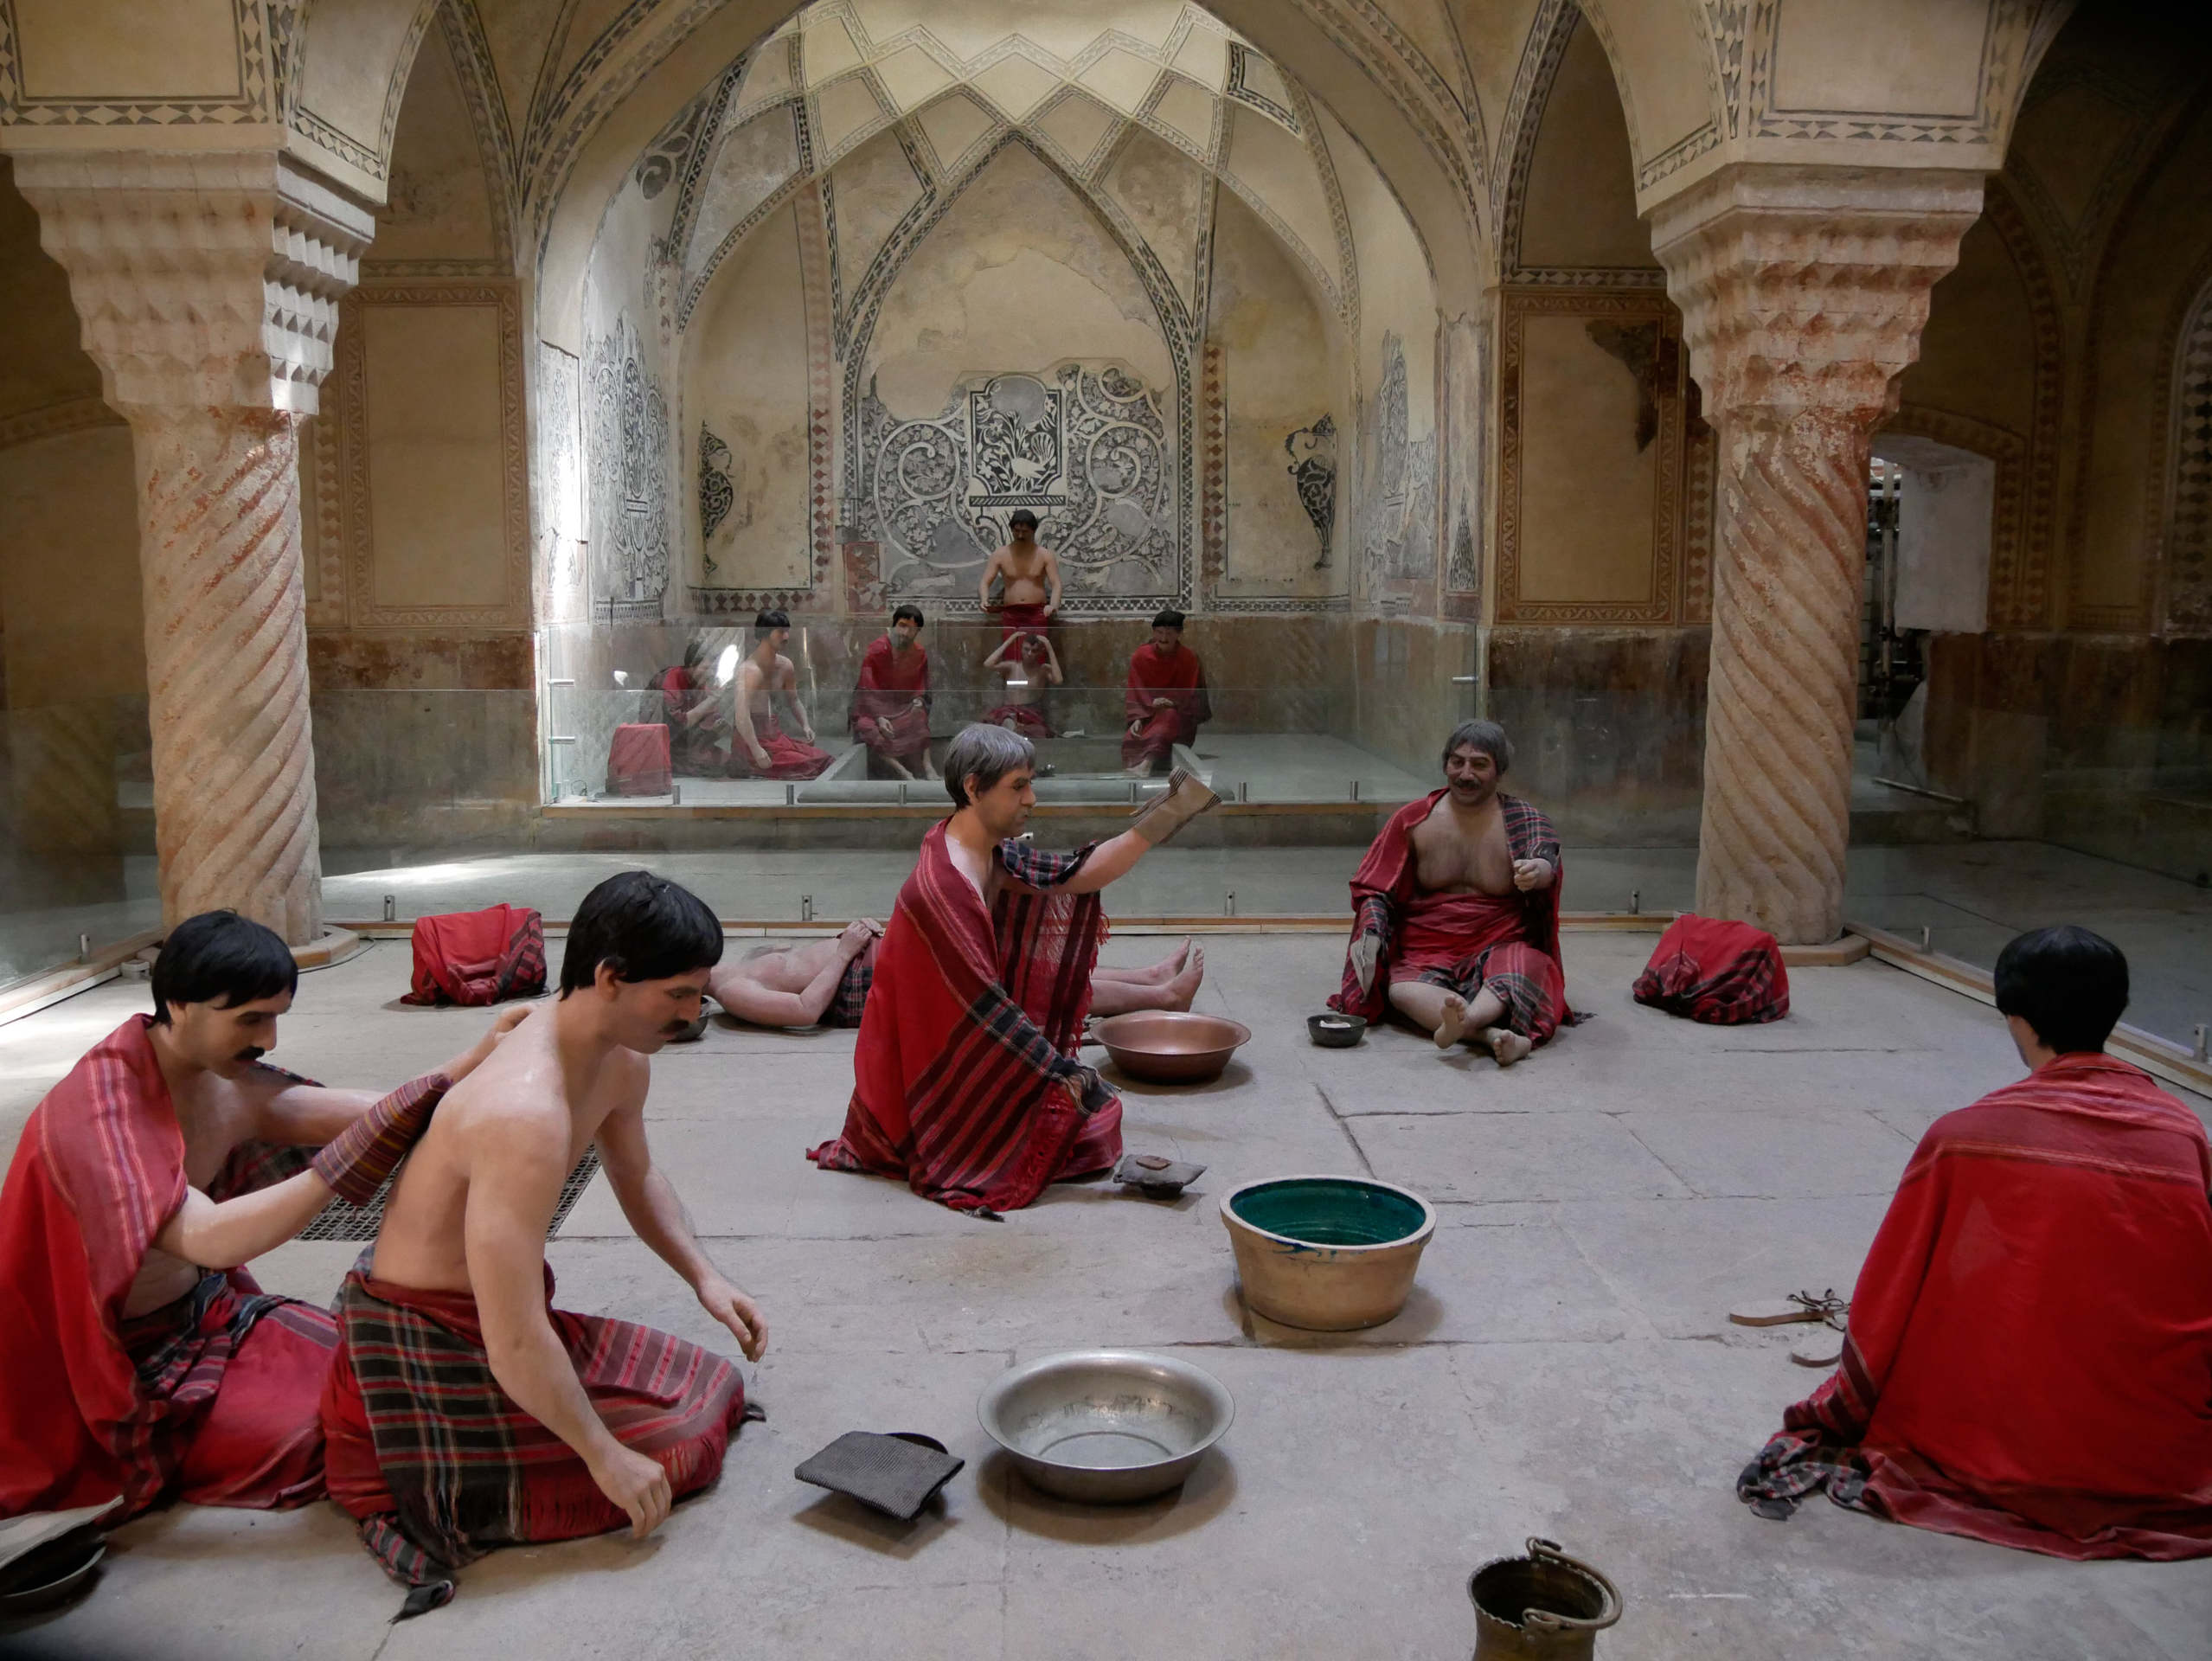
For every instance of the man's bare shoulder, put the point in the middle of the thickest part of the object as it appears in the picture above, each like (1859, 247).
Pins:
(519, 1091)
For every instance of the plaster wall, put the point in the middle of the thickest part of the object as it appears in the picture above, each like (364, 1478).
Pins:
(1588, 489)
(1580, 206)
(1978, 351)
(1277, 349)
(1946, 503)
(42, 365)
(438, 207)
(744, 390)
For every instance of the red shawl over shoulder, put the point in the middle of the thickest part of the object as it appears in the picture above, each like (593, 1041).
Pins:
(889, 683)
(2029, 1360)
(1385, 887)
(99, 1169)
(964, 1080)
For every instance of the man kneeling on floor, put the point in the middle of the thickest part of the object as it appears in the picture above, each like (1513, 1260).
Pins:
(142, 1359)
(1455, 910)
(2030, 1358)
(464, 1412)
(965, 1079)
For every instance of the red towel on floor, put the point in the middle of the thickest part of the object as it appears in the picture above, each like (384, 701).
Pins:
(788, 757)
(478, 957)
(1719, 972)
(2029, 1360)
(965, 1079)
(638, 761)
(202, 1398)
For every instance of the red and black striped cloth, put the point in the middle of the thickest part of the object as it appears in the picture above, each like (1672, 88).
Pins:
(965, 1080)
(1724, 974)
(437, 1465)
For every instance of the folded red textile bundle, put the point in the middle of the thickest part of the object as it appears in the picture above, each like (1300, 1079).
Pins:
(478, 957)
(1724, 974)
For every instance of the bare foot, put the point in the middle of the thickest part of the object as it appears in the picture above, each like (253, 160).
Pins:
(1453, 1024)
(1177, 993)
(1506, 1044)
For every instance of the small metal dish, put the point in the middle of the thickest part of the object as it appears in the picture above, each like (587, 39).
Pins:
(1170, 1047)
(1335, 1031)
(1106, 1426)
(69, 1576)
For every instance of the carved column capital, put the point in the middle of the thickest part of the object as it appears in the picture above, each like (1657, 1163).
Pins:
(207, 278)
(1804, 289)
(1802, 292)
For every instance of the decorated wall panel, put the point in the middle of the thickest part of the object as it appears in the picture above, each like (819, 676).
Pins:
(1591, 472)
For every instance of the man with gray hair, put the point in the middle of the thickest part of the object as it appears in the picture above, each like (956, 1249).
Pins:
(1455, 920)
(965, 1078)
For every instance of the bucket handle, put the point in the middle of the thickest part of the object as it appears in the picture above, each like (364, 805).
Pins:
(1544, 1620)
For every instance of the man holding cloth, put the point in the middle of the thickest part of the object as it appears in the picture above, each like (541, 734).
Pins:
(964, 1079)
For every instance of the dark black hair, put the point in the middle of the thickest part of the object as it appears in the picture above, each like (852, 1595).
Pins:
(1485, 735)
(913, 612)
(1021, 517)
(647, 927)
(987, 754)
(2068, 984)
(767, 621)
(1169, 619)
(223, 959)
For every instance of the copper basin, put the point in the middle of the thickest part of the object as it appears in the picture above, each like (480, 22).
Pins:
(1166, 1048)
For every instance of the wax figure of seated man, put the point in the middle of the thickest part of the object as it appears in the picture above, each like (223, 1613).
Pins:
(2029, 1358)
(1456, 910)
(544, 1424)
(890, 706)
(1165, 698)
(1030, 576)
(825, 983)
(762, 749)
(141, 1358)
(1028, 665)
(964, 1079)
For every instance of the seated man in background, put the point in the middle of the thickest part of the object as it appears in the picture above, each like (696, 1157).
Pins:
(1455, 910)
(890, 707)
(1031, 667)
(141, 1359)
(2029, 1358)
(695, 712)
(1165, 701)
(763, 749)
(825, 983)
(543, 1425)
(965, 1079)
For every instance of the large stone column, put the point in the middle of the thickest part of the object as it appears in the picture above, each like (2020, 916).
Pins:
(207, 283)
(1803, 291)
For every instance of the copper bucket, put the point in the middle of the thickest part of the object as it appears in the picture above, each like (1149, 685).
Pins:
(1545, 1607)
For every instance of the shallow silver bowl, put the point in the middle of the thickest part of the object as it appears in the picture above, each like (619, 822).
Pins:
(1105, 1425)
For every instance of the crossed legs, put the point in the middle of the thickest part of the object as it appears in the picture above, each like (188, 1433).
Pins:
(1170, 983)
(1451, 1018)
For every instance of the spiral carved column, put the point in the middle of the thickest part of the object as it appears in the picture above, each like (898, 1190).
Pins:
(207, 283)
(227, 665)
(1802, 292)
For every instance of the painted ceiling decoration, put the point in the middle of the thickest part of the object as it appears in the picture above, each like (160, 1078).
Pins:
(894, 105)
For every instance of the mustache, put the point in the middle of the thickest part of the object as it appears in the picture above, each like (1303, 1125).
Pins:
(251, 1053)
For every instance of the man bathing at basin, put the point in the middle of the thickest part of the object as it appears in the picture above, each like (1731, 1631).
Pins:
(890, 707)
(964, 1079)
(1028, 665)
(825, 983)
(142, 1359)
(1031, 575)
(2029, 1358)
(542, 1424)
(763, 749)
(1455, 921)
(1165, 699)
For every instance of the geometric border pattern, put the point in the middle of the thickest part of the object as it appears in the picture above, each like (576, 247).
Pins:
(1515, 306)
(2184, 545)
